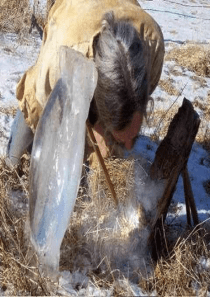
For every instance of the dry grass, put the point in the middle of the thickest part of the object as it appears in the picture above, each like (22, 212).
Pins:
(121, 175)
(174, 71)
(168, 87)
(174, 32)
(14, 16)
(105, 230)
(17, 275)
(9, 111)
(200, 80)
(203, 136)
(195, 58)
(161, 119)
(177, 274)
(181, 272)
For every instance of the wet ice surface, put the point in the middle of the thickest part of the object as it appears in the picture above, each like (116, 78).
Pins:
(57, 155)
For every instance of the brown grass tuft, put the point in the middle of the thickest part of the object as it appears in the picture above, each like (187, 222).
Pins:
(97, 222)
(161, 119)
(178, 274)
(203, 136)
(200, 81)
(167, 86)
(17, 275)
(121, 175)
(14, 15)
(174, 71)
(195, 58)
(181, 272)
(10, 111)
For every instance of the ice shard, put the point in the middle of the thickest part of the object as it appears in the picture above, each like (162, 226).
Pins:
(57, 156)
(20, 138)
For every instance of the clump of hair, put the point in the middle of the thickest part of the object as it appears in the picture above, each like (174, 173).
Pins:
(123, 85)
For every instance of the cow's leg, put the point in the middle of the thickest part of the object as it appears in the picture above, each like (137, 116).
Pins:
(21, 138)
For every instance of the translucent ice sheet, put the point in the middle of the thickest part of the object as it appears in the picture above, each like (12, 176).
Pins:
(57, 155)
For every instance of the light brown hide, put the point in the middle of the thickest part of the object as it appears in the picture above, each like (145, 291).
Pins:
(75, 24)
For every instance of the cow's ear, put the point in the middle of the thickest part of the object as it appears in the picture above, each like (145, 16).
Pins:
(108, 21)
(95, 43)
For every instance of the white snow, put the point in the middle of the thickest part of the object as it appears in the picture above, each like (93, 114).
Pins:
(15, 59)
(188, 23)
(181, 22)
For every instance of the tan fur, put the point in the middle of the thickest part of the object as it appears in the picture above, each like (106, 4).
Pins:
(75, 24)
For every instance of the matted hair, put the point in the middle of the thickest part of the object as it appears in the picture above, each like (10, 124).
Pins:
(123, 79)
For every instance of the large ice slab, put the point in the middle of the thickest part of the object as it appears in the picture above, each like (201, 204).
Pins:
(57, 155)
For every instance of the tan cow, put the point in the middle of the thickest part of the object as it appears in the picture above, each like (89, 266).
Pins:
(117, 47)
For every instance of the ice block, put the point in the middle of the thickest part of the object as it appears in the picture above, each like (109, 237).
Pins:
(57, 156)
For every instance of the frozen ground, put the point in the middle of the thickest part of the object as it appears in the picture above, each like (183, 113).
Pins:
(15, 57)
(182, 22)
